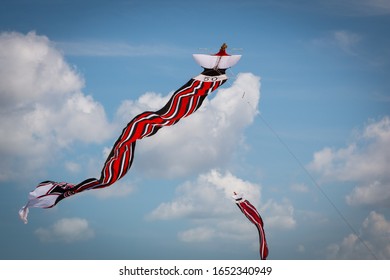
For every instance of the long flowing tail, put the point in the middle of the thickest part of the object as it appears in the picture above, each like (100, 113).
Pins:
(183, 103)
(254, 217)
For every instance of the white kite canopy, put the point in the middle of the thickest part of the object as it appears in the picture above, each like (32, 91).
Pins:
(216, 61)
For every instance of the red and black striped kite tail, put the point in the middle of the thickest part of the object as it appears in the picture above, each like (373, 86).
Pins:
(254, 217)
(183, 103)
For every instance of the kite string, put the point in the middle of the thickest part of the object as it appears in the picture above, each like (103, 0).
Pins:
(311, 177)
(318, 186)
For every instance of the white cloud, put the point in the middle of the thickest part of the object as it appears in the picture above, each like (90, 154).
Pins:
(371, 193)
(42, 108)
(230, 229)
(73, 167)
(207, 139)
(365, 162)
(31, 69)
(281, 215)
(208, 205)
(209, 196)
(199, 234)
(374, 232)
(66, 230)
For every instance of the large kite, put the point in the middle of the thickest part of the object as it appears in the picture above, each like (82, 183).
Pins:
(251, 213)
(183, 103)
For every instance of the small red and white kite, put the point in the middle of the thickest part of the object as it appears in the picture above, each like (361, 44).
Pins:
(251, 213)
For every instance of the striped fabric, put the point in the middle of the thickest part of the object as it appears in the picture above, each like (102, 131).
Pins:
(183, 103)
(254, 217)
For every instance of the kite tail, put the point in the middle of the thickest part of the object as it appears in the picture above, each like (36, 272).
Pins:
(254, 217)
(183, 103)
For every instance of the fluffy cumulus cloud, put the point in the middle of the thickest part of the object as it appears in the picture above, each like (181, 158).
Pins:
(207, 139)
(365, 162)
(373, 241)
(280, 215)
(209, 196)
(66, 230)
(42, 106)
(208, 205)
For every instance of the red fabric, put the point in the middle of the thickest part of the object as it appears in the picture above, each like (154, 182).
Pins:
(251, 213)
(222, 52)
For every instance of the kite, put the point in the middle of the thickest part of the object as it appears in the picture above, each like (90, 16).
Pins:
(254, 217)
(183, 102)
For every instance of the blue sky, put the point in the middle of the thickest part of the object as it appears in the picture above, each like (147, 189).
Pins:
(307, 143)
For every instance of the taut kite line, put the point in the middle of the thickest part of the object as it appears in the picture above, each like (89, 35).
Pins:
(251, 213)
(183, 103)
